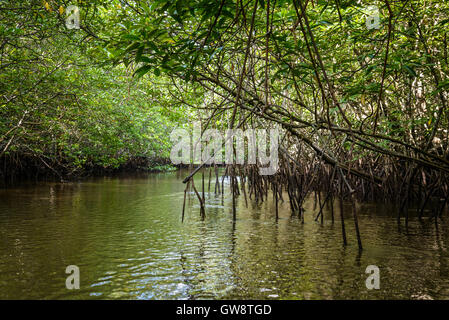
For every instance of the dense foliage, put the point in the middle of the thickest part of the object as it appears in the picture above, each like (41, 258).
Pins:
(348, 93)
(63, 110)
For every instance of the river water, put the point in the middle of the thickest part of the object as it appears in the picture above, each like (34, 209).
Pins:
(125, 235)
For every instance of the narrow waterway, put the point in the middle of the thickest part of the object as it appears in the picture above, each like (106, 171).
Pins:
(125, 235)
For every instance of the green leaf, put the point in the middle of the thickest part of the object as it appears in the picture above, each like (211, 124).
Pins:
(142, 71)
(410, 71)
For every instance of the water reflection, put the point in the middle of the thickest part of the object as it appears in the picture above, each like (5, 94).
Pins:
(126, 235)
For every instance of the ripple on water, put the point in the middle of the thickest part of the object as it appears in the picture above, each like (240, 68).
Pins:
(129, 242)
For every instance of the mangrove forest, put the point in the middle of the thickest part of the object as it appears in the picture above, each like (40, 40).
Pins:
(224, 149)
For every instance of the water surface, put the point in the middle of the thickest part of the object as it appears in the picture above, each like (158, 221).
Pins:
(126, 236)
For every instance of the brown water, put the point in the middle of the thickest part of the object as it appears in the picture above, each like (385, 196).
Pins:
(126, 236)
